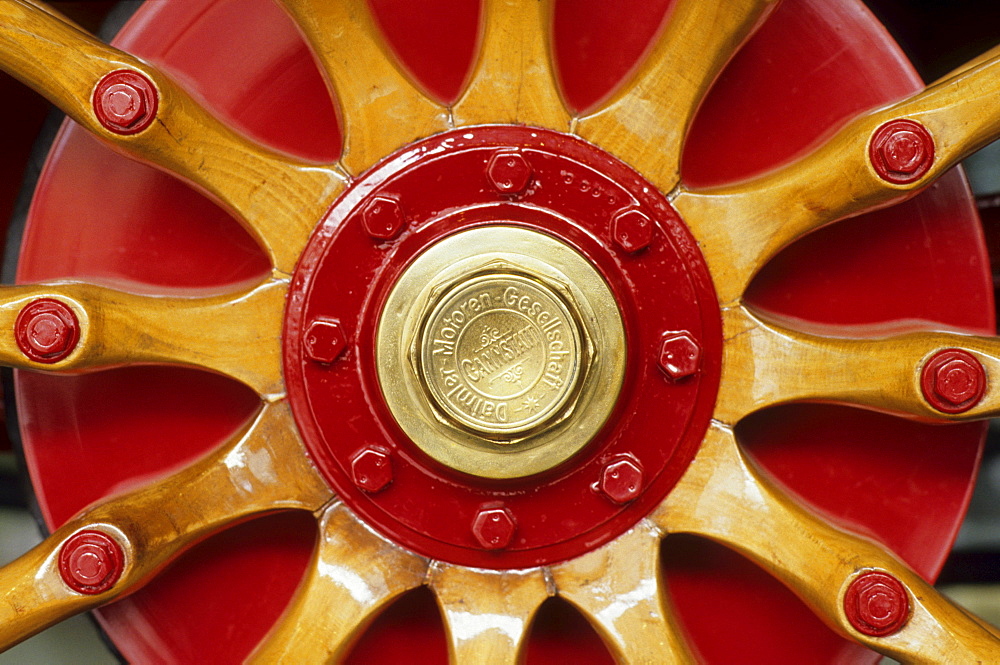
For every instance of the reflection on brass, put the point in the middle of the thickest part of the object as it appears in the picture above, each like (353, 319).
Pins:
(500, 352)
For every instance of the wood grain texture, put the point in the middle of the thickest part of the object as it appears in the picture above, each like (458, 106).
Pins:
(381, 107)
(513, 79)
(723, 497)
(262, 468)
(646, 121)
(741, 226)
(277, 198)
(238, 335)
(487, 613)
(766, 363)
(620, 589)
(354, 574)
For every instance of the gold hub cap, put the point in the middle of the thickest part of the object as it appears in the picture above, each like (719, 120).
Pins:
(501, 363)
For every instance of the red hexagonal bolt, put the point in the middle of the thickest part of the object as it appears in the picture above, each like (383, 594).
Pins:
(953, 381)
(371, 469)
(494, 528)
(383, 218)
(90, 562)
(680, 355)
(877, 604)
(509, 172)
(125, 102)
(46, 330)
(632, 230)
(324, 341)
(901, 151)
(621, 480)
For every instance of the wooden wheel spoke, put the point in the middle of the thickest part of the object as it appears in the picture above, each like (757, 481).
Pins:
(262, 468)
(487, 613)
(646, 122)
(743, 225)
(381, 107)
(276, 198)
(883, 373)
(723, 497)
(236, 335)
(354, 574)
(513, 79)
(620, 589)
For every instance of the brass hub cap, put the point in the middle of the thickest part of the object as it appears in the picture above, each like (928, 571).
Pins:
(485, 360)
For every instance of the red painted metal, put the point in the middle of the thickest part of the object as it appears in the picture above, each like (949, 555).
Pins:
(46, 330)
(813, 64)
(901, 151)
(125, 102)
(494, 528)
(574, 193)
(877, 604)
(622, 480)
(632, 230)
(371, 469)
(91, 562)
(953, 381)
(680, 355)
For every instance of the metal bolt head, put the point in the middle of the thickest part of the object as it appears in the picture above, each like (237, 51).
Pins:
(901, 151)
(953, 381)
(90, 562)
(371, 469)
(621, 480)
(680, 355)
(46, 330)
(877, 604)
(494, 528)
(383, 218)
(508, 172)
(632, 230)
(324, 341)
(125, 102)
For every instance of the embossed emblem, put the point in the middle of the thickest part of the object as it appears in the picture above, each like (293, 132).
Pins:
(500, 353)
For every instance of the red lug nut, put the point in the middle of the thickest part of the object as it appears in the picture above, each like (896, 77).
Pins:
(494, 528)
(324, 341)
(632, 230)
(901, 151)
(877, 604)
(46, 330)
(125, 102)
(953, 381)
(91, 562)
(680, 355)
(621, 480)
(371, 469)
(508, 172)
(383, 218)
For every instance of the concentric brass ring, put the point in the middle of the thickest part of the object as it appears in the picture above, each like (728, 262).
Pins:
(500, 363)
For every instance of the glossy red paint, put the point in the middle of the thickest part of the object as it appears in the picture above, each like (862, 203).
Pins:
(953, 381)
(90, 562)
(680, 355)
(622, 480)
(125, 102)
(877, 604)
(494, 528)
(901, 151)
(812, 65)
(371, 469)
(46, 330)
(574, 193)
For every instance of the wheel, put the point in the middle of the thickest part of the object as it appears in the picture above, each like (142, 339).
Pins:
(499, 347)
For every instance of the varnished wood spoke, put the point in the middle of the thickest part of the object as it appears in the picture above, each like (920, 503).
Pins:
(277, 198)
(354, 574)
(487, 613)
(262, 468)
(883, 373)
(620, 589)
(381, 107)
(743, 225)
(237, 334)
(646, 121)
(513, 80)
(723, 497)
